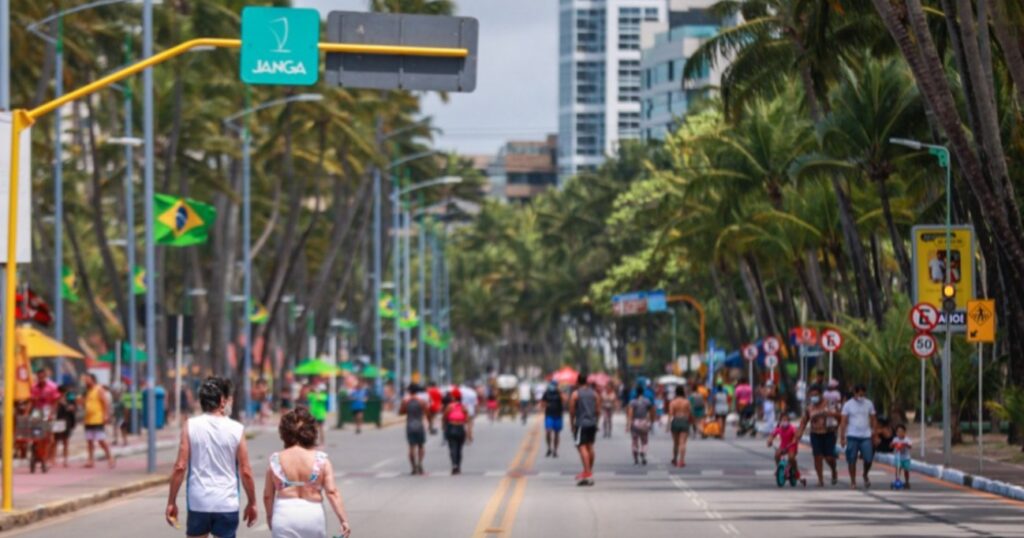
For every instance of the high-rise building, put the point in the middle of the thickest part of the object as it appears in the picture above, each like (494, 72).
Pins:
(524, 169)
(599, 78)
(666, 45)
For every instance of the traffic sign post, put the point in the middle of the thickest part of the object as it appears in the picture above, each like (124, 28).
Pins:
(750, 354)
(925, 317)
(932, 270)
(924, 345)
(771, 345)
(771, 361)
(981, 329)
(831, 341)
(280, 46)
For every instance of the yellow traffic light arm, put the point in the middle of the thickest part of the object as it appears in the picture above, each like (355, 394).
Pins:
(700, 313)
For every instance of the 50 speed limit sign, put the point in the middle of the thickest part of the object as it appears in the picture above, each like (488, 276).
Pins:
(924, 345)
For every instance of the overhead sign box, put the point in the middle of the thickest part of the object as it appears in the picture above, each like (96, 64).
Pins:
(407, 72)
(24, 246)
(280, 46)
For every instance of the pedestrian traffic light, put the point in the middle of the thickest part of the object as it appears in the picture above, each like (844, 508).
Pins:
(948, 298)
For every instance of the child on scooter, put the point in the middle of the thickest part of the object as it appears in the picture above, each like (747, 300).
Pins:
(788, 444)
(901, 446)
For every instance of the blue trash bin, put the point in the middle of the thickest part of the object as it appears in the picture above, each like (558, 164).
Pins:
(161, 397)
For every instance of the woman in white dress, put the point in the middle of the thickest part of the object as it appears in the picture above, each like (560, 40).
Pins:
(298, 478)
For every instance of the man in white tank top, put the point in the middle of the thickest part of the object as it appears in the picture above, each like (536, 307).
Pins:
(214, 457)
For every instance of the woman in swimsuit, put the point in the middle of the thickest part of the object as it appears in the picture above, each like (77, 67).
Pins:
(681, 417)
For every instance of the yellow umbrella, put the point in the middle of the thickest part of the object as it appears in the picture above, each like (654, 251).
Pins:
(37, 345)
(34, 344)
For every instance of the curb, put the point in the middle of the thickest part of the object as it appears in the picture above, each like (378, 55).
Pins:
(960, 478)
(21, 518)
(954, 476)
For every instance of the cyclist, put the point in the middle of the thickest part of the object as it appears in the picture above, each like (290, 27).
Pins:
(788, 444)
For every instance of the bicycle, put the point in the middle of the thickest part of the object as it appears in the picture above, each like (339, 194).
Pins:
(784, 472)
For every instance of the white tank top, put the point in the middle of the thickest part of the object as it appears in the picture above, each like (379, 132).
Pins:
(213, 463)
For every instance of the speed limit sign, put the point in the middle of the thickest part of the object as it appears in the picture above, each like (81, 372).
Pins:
(771, 361)
(924, 345)
(750, 352)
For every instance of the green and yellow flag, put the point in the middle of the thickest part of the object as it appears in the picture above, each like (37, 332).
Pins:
(68, 283)
(387, 306)
(409, 319)
(432, 336)
(138, 281)
(182, 222)
(258, 314)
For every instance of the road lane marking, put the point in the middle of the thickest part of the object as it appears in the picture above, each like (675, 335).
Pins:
(512, 508)
(702, 504)
(381, 463)
(484, 525)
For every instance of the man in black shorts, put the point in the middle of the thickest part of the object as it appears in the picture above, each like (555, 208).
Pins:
(583, 415)
(415, 412)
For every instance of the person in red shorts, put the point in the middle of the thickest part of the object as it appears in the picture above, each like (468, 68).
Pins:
(435, 396)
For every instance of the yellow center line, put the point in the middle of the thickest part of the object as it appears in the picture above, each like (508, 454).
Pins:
(483, 526)
(512, 508)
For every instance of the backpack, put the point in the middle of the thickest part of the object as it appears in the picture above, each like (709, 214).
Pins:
(457, 413)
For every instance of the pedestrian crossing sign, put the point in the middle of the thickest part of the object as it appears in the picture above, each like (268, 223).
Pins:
(981, 321)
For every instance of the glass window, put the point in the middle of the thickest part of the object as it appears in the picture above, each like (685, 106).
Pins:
(590, 30)
(651, 14)
(565, 33)
(590, 133)
(629, 125)
(629, 28)
(590, 82)
(565, 83)
(629, 81)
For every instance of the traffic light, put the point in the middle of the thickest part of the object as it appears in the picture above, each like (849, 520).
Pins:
(948, 298)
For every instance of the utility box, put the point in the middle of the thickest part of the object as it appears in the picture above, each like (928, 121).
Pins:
(393, 72)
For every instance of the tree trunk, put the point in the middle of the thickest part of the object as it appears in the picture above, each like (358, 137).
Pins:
(898, 245)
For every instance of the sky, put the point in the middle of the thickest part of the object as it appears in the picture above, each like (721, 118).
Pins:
(516, 95)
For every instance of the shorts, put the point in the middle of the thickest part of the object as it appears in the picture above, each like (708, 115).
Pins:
(903, 465)
(585, 435)
(861, 445)
(219, 524)
(553, 423)
(823, 444)
(416, 437)
(698, 412)
(95, 433)
(680, 425)
(358, 411)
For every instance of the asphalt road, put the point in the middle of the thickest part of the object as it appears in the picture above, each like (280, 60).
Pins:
(509, 488)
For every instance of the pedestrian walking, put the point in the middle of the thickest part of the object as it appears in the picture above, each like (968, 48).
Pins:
(553, 404)
(214, 458)
(67, 417)
(698, 406)
(298, 478)
(901, 446)
(823, 439)
(97, 415)
(525, 393)
(415, 412)
(721, 399)
(434, 397)
(583, 407)
(640, 416)
(681, 417)
(855, 431)
(607, 409)
(470, 402)
(316, 403)
(453, 420)
(359, 397)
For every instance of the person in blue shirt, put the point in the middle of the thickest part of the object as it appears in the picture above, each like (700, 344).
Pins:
(359, 396)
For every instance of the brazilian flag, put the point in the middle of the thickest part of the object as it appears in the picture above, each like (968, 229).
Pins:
(258, 314)
(409, 319)
(68, 283)
(182, 222)
(138, 281)
(432, 336)
(388, 310)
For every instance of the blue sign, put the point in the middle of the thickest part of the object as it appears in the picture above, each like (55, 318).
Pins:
(657, 301)
(280, 46)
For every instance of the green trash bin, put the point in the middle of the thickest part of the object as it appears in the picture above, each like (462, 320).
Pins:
(371, 414)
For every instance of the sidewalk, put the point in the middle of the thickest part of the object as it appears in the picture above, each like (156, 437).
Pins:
(965, 456)
(61, 490)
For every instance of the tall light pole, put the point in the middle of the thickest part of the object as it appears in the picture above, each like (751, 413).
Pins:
(147, 194)
(941, 153)
(247, 223)
(422, 244)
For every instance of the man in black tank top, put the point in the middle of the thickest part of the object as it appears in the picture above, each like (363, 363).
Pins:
(583, 414)
(415, 412)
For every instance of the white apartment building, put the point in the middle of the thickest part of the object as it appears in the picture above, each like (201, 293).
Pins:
(666, 46)
(599, 77)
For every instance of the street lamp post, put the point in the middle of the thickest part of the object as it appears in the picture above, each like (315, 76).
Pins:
(421, 243)
(247, 223)
(941, 153)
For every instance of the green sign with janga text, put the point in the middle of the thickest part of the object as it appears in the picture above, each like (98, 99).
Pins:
(279, 46)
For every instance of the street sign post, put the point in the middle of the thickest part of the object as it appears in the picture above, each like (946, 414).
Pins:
(831, 341)
(771, 345)
(635, 354)
(630, 304)
(657, 301)
(280, 46)
(930, 266)
(925, 317)
(924, 345)
(771, 361)
(456, 73)
(750, 354)
(981, 321)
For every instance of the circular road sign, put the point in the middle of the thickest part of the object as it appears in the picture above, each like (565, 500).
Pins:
(771, 345)
(924, 317)
(750, 352)
(831, 340)
(771, 361)
(924, 345)
(807, 335)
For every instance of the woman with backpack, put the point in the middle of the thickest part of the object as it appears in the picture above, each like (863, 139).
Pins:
(454, 419)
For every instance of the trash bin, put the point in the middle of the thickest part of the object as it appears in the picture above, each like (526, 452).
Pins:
(371, 414)
(160, 396)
